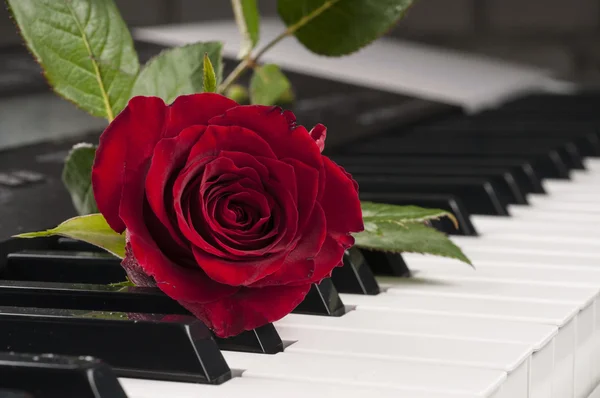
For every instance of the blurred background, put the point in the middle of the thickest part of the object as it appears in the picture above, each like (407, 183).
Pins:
(556, 34)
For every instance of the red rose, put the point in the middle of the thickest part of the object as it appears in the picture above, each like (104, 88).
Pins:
(230, 210)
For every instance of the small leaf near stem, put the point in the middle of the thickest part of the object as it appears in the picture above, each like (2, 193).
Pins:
(92, 229)
(209, 78)
(77, 178)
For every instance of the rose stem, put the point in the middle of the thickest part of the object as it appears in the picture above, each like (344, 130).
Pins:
(250, 62)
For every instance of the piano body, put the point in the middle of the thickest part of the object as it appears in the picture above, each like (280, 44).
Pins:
(511, 151)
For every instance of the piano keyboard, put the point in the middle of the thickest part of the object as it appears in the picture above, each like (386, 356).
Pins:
(522, 178)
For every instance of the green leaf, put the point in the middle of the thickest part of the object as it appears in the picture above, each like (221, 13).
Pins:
(340, 27)
(77, 177)
(209, 81)
(179, 71)
(238, 93)
(267, 85)
(92, 229)
(248, 22)
(85, 49)
(411, 237)
(382, 212)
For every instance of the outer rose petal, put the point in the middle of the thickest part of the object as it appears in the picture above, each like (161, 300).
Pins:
(248, 308)
(141, 124)
(340, 201)
(319, 133)
(188, 110)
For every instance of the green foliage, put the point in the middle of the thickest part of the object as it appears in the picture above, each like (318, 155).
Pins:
(340, 27)
(400, 229)
(85, 49)
(179, 71)
(248, 22)
(77, 177)
(92, 229)
(267, 85)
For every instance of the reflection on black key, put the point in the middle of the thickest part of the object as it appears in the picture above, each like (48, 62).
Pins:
(125, 300)
(5, 393)
(322, 299)
(174, 347)
(388, 264)
(355, 276)
(480, 196)
(63, 266)
(53, 376)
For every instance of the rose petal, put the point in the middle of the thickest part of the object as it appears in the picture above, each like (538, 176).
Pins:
(230, 138)
(319, 133)
(285, 138)
(170, 155)
(340, 202)
(243, 272)
(248, 309)
(307, 183)
(330, 256)
(196, 109)
(299, 266)
(140, 125)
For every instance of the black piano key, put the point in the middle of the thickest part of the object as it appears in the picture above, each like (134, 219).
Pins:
(504, 179)
(175, 347)
(63, 266)
(585, 137)
(480, 196)
(387, 264)
(322, 299)
(355, 277)
(81, 296)
(522, 170)
(53, 376)
(67, 244)
(264, 339)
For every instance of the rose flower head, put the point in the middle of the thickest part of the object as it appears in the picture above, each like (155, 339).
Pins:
(230, 210)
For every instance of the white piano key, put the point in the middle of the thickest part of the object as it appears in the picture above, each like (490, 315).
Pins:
(539, 336)
(493, 224)
(513, 358)
(249, 387)
(588, 341)
(565, 316)
(402, 376)
(521, 212)
(563, 186)
(534, 257)
(500, 244)
(582, 296)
